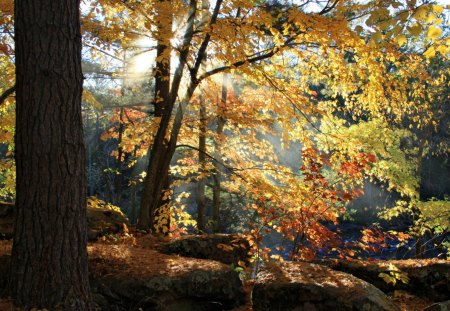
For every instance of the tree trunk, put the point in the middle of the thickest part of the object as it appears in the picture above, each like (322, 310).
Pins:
(49, 257)
(217, 155)
(201, 199)
(162, 150)
(161, 103)
(118, 177)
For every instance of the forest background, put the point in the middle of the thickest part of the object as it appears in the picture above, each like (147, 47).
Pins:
(278, 119)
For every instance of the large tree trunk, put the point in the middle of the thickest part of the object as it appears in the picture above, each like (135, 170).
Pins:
(49, 257)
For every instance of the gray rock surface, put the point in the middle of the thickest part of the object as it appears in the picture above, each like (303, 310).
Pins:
(226, 248)
(310, 287)
(101, 221)
(440, 306)
(428, 278)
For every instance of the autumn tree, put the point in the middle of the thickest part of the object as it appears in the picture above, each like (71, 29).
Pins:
(285, 47)
(49, 256)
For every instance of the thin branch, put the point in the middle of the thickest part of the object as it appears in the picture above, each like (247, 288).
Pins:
(250, 60)
(327, 8)
(7, 93)
(201, 51)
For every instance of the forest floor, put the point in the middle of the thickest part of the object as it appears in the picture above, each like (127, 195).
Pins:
(136, 253)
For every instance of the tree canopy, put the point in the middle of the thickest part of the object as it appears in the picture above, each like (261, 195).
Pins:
(278, 111)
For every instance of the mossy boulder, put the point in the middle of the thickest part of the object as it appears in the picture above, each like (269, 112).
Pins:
(103, 219)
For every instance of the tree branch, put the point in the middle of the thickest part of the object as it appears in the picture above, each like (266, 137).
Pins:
(7, 93)
(202, 50)
(250, 60)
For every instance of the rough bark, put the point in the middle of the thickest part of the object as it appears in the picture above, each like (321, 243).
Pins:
(49, 258)
(217, 155)
(201, 198)
(118, 177)
(159, 162)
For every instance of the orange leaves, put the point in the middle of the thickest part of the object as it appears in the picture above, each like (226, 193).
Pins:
(6, 49)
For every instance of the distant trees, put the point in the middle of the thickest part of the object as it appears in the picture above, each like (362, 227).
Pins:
(49, 255)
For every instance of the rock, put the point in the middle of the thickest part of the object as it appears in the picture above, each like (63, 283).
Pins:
(130, 278)
(428, 278)
(304, 286)
(440, 306)
(226, 248)
(102, 219)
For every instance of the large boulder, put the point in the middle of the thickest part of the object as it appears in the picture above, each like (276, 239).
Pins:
(226, 248)
(428, 278)
(132, 278)
(102, 218)
(302, 286)
(440, 306)
(126, 278)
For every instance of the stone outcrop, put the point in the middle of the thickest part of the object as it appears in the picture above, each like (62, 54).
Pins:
(311, 287)
(440, 306)
(428, 278)
(226, 248)
(102, 220)
(130, 278)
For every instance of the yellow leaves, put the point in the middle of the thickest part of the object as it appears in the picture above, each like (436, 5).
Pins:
(421, 13)
(394, 276)
(401, 40)
(430, 52)
(438, 9)
(90, 99)
(433, 32)
(443, 49)
(415, 30)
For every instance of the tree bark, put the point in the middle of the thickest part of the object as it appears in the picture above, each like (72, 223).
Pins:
(118, 177)
(217, 155)
(161, 103)
(49, 257)
(201, 198)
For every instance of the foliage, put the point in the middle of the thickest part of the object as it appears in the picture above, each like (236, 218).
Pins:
(435, 215)
(320, 98)
(395, 275)
(94, 202)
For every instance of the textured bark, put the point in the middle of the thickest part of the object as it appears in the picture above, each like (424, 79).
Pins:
(118, 178)
(162, 150)
(161, 103)
(217, 155)
(49, 257)
(201, 198)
